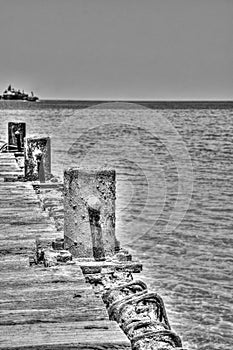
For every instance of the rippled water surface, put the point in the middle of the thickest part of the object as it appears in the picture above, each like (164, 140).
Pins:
(174, 196)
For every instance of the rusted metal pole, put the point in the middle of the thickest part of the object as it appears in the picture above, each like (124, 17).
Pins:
(89, 213)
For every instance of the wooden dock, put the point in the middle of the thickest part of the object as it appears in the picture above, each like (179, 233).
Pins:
(8, 166)
(43, 308)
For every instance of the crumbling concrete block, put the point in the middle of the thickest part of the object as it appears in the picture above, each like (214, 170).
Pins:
(32, 260)
(50, 258)
(107, 280)
(54, 257)
(123, 255)
(58, 244)
(38, 159)
(41, 246)
(89, 213)
(16, 135)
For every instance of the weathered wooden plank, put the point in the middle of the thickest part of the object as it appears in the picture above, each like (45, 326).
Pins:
(39, 299)
(12, 262)
(19, 203)
(39, 275)
(8, 210)
(22, 246)
(5, 161)
(10, 173)
(101, 335)
(8, 293)
(9, 170)
(18, 194)
(11, 162)
(16, 185)
(12, 235)
(6, 154)
(49, 185)
(23, 220)
(4, 157)
(33, 305)
(56, 315)
(19, 188)
(9, 167)
(19, 211)
(42, 226)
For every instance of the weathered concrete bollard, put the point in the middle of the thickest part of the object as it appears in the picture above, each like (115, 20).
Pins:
(16, 135)
(89, 213)
(38, 159)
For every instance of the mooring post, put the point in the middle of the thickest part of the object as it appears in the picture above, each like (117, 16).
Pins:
(38, 159)
(16, 135)
(89, 213)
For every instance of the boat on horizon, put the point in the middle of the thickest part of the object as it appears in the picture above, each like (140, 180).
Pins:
(12, 94)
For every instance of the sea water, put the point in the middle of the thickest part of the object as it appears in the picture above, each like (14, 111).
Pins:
(174, 166)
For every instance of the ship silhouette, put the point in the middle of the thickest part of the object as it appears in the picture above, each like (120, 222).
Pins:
(12, 94)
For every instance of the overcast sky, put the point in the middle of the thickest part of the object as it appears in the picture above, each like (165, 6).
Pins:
(118, 49)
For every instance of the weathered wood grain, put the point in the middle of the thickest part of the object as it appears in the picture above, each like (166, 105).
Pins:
(31, 305)
(15, 247)
(57, 315)
(24, 219)
(98, 335)
(40, 275)
(40, 227)
(9, 166)
(28, 235)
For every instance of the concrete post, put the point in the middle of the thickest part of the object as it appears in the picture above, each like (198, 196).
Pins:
(16, 135)
(89, 208)
(38, 159)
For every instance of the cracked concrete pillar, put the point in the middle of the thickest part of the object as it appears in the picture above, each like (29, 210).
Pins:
(89, 213)
(38, 159)
(16, 135)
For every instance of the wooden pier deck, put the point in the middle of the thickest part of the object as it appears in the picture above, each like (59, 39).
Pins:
(43, 308)
(8, 166)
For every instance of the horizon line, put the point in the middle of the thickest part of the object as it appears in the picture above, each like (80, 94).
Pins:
(134, 100)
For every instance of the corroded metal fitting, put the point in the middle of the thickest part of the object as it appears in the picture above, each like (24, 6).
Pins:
(108, 280)
(159, 340)
(119, 292)
(141, 306)
(135, 328)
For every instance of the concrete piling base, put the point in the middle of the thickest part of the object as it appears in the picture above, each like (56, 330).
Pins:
(38, 159)
(89, 206)
(16, 135)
